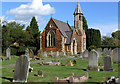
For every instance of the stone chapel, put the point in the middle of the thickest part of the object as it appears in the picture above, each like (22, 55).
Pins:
(59, 36)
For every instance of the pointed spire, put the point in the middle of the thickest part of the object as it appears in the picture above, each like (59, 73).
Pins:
(78, 9)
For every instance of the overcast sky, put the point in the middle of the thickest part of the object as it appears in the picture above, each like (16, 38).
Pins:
(99, 15)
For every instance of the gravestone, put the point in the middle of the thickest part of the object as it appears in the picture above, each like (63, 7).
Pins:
(40, 73)
(74, 62)
(69, 63)
(40, 53)
(8, 53)
(27, 52)
(93, 61)
(57, 54)
(64, 53)
(99, 51)
(105, 51)
(31, 53)
(51, 53)
(116, 55)
(21, 69)
(45, 54)
(85, 54)
(107, 63)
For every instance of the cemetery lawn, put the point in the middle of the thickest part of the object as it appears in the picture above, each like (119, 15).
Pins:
(50, 72)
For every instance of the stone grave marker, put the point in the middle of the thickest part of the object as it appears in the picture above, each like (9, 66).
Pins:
(57, 54)
(105, 51)
(116, 55)
(8, 53)
(99, 51)
(27, 52)
(31, 53)
(107, 63)
(40, 53)
(51, 53)
(93, 61)
(69, 63)
(21, 69)
(40, 73)
(74, 62)
(85, 54)
(64, 53)
(45, 54)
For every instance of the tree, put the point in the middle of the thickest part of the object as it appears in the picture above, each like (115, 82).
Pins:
(85, 26)
(93, 37)
(116, 34)
(35, 33)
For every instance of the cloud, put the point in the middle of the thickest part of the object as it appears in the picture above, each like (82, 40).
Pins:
(105, 29)
(25, 12)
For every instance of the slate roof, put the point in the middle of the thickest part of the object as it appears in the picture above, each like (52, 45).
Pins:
(65, 30)
(78, 9)
(62, 26)
(69, 38)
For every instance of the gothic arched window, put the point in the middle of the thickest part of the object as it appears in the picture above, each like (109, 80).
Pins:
(51, 39)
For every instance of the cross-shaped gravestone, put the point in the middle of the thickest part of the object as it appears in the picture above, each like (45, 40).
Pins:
(27, 52)
(21, 69)
(99, 51)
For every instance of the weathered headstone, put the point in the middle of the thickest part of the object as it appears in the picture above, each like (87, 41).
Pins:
(107, 63)
(105, 51)
(40, 73)
(45, 54)
(51, 53)
(69, 63)
(21, 69)
(27, 52)
(57, 54)
(8, 53)
(74, 62)
(85, 54)
(116, 55)
(40, 53)
(31, 53)
(64, 53)
(93, 61)
(99, 51)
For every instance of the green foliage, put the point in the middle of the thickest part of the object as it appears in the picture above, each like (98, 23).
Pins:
(93, 37)
(91, 48)
(35, 33)
(85, 26)
(116, 34)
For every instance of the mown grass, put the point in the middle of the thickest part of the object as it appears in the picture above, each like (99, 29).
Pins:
(50, 72)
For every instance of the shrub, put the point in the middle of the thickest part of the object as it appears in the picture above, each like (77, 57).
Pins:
(91, 47)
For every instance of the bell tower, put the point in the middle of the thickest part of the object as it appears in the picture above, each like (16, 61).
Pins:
(78, 23)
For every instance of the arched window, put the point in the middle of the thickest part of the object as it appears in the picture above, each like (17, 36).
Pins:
(51, 39)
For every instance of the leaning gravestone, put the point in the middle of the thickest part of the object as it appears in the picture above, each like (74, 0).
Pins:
(99, 51)
(40, 53)
(85, 54)
(45, 54)
(57, 54)
(27, 52)
(31, 53)
(8, 54)
(21, 69)
(93, 61)
(116, 55)
(107, 63)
